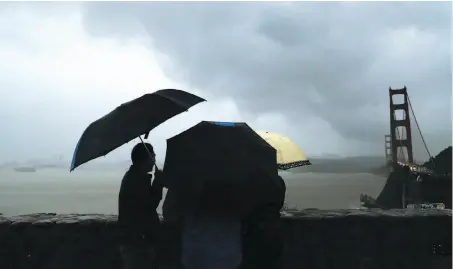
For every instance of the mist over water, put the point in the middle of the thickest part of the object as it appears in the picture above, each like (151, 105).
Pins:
(91, 191)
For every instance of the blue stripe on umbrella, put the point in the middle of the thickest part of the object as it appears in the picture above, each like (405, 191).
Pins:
(228, 124)
(74, 155)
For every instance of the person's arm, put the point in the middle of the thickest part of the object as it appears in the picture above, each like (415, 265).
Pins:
(157, 188)
(282, 192)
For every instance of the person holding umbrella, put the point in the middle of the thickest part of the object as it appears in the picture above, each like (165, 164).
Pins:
(217, 173)
(262, 242)
(138, 199)
(137, 203)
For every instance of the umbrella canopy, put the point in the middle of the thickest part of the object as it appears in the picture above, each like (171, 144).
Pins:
(289, 155)
(129, 121)
(227, 164)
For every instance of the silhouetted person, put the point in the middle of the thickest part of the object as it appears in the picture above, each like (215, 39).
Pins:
(262, 241)
(211, 235)
(137, 216)
(202, 226)
(172, 212)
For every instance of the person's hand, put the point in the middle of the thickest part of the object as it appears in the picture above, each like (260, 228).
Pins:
(158, 172)
(164, 180)
(159, 177)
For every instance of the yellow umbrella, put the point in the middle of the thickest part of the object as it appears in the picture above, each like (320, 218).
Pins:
(289, 155)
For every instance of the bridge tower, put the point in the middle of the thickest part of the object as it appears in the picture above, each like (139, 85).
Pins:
(400, 127)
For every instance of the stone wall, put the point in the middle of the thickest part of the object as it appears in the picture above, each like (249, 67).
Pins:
(313, 239)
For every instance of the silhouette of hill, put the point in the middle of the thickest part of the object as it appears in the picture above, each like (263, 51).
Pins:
(442, 162)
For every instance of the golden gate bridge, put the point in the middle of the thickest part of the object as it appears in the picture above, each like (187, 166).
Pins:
(399, 143)
(409, 182)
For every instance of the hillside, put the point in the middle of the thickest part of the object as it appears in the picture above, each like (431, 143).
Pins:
(442, 162)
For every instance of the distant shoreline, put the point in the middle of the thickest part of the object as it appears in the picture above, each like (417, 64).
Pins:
(363, 164)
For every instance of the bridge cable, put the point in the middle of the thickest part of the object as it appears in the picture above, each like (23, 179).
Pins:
(420, 131)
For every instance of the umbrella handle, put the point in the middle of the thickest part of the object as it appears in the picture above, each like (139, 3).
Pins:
(147, 150)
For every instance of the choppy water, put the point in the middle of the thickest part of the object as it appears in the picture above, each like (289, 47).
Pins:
(58, 191)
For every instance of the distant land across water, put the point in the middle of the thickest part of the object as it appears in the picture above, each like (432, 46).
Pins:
(358, 164)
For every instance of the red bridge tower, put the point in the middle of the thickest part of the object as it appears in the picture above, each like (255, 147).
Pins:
(400, 128)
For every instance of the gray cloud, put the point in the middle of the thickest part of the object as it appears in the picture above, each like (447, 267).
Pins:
(329, 60)
(318, 72)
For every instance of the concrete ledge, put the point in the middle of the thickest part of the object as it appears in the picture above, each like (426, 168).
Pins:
(313, 239)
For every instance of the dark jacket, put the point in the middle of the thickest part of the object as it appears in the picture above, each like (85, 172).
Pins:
(137, 204)
(269, 210)
(262, 242)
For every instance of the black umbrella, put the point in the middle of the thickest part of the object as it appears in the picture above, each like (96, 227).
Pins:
(130, 120)
(229, 164)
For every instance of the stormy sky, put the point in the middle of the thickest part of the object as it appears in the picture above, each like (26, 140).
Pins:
(318, 72)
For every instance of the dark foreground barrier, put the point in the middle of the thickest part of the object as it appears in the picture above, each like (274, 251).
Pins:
(313, 239)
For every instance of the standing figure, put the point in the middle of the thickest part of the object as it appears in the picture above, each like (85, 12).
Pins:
(262, 241)
(138, 200)
(211, 235)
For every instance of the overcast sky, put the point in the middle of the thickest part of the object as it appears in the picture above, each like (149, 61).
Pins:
(317, 72)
